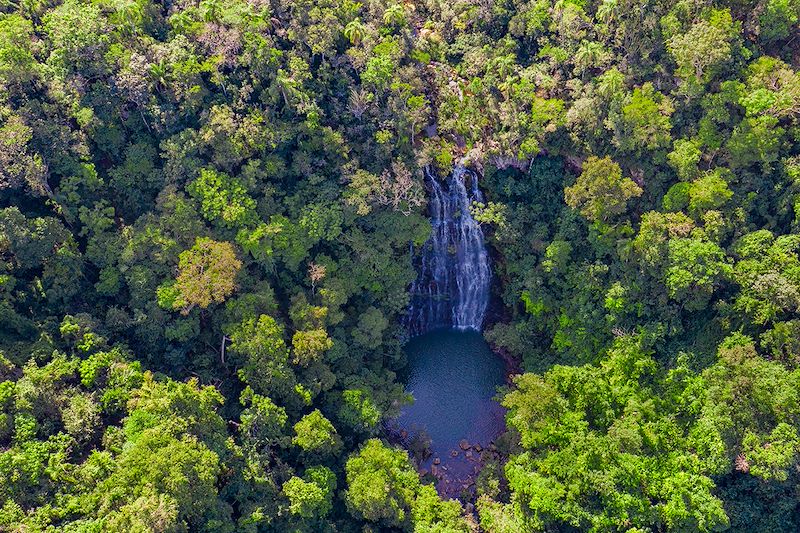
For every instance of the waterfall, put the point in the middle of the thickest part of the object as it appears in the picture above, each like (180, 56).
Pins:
(452, 287)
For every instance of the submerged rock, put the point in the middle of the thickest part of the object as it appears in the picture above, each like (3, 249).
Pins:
(464, 445)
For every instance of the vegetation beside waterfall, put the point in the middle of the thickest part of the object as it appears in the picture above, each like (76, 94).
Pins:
(206, 216)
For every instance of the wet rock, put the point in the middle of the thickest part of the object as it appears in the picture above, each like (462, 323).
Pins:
(464, 445)
(437, 461)
(478, 448)
(469, 454)
(469, 508)
(423, 472)
(430, 130)
(434, 470)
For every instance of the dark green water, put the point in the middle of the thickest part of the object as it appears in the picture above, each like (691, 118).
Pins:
(453, 376)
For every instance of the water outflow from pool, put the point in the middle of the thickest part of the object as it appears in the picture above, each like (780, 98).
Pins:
(452, 287)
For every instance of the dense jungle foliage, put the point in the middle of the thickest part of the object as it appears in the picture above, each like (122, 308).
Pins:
(206, 211)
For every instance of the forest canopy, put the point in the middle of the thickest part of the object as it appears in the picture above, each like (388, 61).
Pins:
(209, 212)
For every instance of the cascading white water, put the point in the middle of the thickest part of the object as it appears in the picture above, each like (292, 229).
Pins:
(452, 288)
